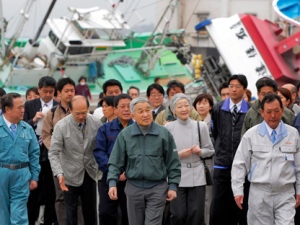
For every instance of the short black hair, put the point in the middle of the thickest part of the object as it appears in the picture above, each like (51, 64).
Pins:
(111, 82)
(34, 89)
(206, 96)
(7, 100)
(2, 92)
(156, 79)
(47, 82)
(133, 87)
(109, 100)
(270, 98)
(82, 77)
(64, 81)
(266, 82)
(173, 84)
(222, 86)
(71, 103)
(157, 87)
(119, 97)
(101, 94)
(242, 79)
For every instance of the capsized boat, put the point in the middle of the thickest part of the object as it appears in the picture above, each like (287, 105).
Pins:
(256, 48)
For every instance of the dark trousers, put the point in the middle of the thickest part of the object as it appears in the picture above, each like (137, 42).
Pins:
(223, 208)
(87, 194)
(108, 209)
(188, 207)
(44, 194)
(60, 205)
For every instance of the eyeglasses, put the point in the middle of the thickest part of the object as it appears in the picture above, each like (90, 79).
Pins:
(237, 86)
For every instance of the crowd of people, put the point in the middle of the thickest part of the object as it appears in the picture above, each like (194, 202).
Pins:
(148, 160)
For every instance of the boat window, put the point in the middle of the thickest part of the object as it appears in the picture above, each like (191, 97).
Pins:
(53, 38)
(79, 50)
(62, 47)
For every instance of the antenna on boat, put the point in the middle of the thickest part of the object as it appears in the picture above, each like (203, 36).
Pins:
(148, 53)
(19, 29)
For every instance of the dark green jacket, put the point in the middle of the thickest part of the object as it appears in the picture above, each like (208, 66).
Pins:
(253, 117)
(146, 159)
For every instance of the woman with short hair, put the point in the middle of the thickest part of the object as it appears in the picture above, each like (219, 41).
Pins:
(188, 207)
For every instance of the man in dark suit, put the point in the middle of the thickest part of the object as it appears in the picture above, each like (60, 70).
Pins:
(34, 114)
(155, 95)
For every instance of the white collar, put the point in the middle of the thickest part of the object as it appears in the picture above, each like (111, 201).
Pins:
(8, 123)
(238, 105)
(270, 130)
(49, 104)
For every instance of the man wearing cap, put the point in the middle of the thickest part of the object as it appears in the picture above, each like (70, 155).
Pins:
(19, 161)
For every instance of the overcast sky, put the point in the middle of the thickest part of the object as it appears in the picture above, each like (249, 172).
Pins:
(12, 8)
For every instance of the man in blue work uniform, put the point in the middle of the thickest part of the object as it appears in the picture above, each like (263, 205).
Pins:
(19, 161)
(106, 137)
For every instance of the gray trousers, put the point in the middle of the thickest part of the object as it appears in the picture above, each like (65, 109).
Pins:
(267, 207)
(60, 206)
(145, 206)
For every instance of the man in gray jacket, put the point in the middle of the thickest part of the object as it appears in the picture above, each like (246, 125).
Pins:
(269, 154)
(72, 160)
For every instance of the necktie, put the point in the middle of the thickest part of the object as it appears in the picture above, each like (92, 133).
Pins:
(234, 114)
(273, 136)
(13, 129)
(80, 126)
(153, 114)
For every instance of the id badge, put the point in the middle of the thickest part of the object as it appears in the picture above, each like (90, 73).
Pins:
(289, 157)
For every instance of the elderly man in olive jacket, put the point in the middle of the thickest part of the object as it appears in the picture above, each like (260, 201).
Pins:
(145, 151)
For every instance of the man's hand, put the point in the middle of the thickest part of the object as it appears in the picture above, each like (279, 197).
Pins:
(61, 181)
(184, 153)
(297, 201)
(196, 150)
(37, 117)
(122, 177)
(112, 193)
(171, 195)
(239, 200)
(33, 185)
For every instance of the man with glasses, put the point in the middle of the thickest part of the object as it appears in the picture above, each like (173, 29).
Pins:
(72, 160)
(106, 137)
(227, 117)
(155, 95)
(264, 86)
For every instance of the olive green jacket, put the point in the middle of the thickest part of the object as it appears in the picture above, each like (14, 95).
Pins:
(253, 117)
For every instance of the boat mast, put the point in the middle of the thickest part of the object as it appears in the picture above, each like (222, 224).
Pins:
(44, 21)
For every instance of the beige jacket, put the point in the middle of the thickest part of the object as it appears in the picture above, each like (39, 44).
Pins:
(50, 121)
